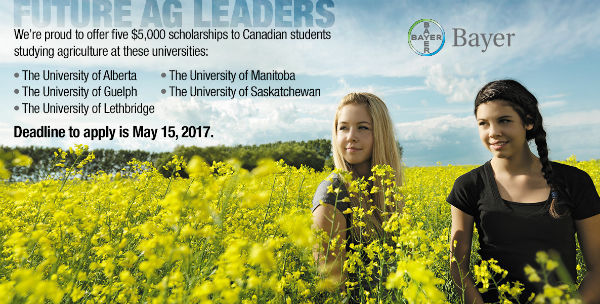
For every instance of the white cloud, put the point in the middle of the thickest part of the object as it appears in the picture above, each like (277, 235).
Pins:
(454, 87)
(381, 91)
(573, 133)
(435, 131)
(249, 121)
(583, 119)
(555, 96)
(552, 104)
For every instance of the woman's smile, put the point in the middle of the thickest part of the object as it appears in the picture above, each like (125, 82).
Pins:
(498, 145)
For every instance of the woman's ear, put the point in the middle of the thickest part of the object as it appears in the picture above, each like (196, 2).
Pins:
(528, 123)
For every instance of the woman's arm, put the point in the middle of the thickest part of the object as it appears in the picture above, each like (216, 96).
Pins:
(588, 233)
(332, 221)
(461, 235)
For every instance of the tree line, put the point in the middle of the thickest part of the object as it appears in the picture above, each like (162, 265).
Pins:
(315, 154)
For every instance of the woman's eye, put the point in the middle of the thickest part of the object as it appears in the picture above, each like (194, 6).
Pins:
(482, 123)
(342, 128)
(504, 120)
(363, 128)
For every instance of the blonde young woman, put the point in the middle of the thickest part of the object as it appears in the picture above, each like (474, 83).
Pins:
(362, 137)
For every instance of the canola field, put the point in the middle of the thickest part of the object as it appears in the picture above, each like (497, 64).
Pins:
(225, 235)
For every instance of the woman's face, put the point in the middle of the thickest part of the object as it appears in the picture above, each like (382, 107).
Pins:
(355, 136)
(501, 129)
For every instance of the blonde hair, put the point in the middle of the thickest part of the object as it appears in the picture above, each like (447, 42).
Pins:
(385, 148)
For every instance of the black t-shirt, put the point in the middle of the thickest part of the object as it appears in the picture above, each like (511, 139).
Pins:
(512, 233)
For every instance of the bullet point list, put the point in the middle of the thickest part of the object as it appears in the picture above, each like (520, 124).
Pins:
(163, 91)
(16, 91)
(16, 75)
(163, 75)
(16, 108)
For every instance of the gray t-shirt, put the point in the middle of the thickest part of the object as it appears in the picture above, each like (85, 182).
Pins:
(337, 200)
(334, 199)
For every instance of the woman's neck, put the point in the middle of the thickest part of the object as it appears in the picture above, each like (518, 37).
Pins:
(362, 170)
(524, 163)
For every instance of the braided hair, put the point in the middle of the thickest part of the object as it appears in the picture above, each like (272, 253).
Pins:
(526, 106)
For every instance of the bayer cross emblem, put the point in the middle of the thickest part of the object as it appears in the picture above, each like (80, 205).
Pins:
(426, 37)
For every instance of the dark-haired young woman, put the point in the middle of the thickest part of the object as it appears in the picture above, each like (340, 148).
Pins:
(521, 203)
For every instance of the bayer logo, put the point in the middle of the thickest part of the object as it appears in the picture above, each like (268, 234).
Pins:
(426, 37)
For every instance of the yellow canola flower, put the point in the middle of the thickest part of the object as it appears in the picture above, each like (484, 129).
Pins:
(266, 167)
(7, 292)
(551, 265)
(541, 257)
(532, 274)
(298, 228)
(226, 234)
(30, 284)
(77, 294)
(22, 160)
(262, 256)
(197, 167)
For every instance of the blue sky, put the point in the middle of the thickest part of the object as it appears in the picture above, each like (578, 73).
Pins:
(554, 53)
